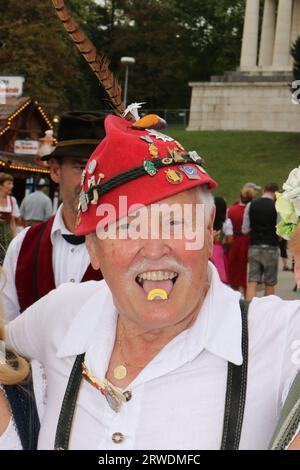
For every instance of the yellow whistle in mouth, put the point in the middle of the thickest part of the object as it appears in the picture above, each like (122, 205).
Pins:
(160, 293)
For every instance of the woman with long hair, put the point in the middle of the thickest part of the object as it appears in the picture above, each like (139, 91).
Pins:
(19, 421)
(9, 211)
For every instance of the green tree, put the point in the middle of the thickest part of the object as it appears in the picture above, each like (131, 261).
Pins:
(35, 45)
(173, 42)
(295, 51)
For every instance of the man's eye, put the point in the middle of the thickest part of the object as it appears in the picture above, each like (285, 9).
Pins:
(123, 226)
(78, 167)
(175, 222)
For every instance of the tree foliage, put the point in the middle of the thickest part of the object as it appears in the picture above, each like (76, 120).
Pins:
(173, 42)
(35, 45)
(295, 51)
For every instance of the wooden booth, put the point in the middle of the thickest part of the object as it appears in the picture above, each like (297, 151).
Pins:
(23, 122)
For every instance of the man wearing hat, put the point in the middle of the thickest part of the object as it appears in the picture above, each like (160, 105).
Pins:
(255, 187)
(46, 255)
(36, 207)
(160, 355)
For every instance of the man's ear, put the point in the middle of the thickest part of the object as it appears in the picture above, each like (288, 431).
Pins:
(91, 244)
(210, 230)
(55, 170)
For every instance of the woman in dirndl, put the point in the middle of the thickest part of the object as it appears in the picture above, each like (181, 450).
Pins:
(9, 211)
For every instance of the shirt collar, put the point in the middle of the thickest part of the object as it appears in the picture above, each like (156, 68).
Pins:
(58, 226)
(268, 196)
(224, 326)
(217, 329)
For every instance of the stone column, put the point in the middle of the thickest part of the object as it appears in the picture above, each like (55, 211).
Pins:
(295, 21)
(283, 35)
(250, 35)
(267, 34)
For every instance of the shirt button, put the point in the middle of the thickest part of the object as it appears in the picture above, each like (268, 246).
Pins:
(72, 280)
(72, 250)
(117, 437)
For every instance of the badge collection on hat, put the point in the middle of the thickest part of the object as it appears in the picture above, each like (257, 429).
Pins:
(155, 154)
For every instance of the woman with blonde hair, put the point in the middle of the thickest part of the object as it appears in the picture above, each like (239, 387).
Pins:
(19, 421)
(9, 211)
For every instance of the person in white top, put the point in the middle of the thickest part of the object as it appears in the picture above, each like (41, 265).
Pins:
(9, 212)
(46, 255)
(151, 346)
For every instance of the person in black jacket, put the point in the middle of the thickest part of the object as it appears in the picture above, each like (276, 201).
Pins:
(260, 220)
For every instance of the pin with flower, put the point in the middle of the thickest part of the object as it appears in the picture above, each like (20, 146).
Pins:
(288, 207)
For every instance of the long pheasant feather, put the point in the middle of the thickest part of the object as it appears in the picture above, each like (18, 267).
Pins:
(98, 61)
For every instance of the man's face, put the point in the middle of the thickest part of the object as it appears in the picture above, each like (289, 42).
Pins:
(67, 174)
(133, 267)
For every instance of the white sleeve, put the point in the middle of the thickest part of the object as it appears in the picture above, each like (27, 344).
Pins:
(28, 334)
(291, 361)
(9, 293)
(228, 227)
(16, 210)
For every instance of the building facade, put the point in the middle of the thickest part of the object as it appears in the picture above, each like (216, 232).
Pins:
(258, 96)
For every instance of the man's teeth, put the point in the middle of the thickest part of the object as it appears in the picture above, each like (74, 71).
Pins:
(157, 275)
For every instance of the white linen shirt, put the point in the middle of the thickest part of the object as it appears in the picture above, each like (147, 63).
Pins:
(69, 263)
(178, 398)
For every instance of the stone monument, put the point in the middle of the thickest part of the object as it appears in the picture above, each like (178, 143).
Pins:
(258, 95)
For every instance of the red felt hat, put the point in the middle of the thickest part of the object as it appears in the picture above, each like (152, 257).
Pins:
(146, 166)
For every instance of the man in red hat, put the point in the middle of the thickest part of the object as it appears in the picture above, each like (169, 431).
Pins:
(155, 356)
(49, 254)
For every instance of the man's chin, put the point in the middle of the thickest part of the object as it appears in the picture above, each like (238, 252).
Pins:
(157, 313)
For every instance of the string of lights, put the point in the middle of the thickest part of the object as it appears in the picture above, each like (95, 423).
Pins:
(19, 110)
(12, 116)
(24, 168)
(44, 115)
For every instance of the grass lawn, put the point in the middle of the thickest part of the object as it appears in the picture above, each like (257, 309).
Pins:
(236, 157)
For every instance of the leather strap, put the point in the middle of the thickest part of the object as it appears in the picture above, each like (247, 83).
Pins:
(289, 418)
(234, 405)
(65, 419)
(236, 391)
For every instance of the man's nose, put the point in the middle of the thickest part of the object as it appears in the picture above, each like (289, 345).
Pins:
(155, 249)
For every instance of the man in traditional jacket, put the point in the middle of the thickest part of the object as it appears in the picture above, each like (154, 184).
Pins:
(47, 255)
